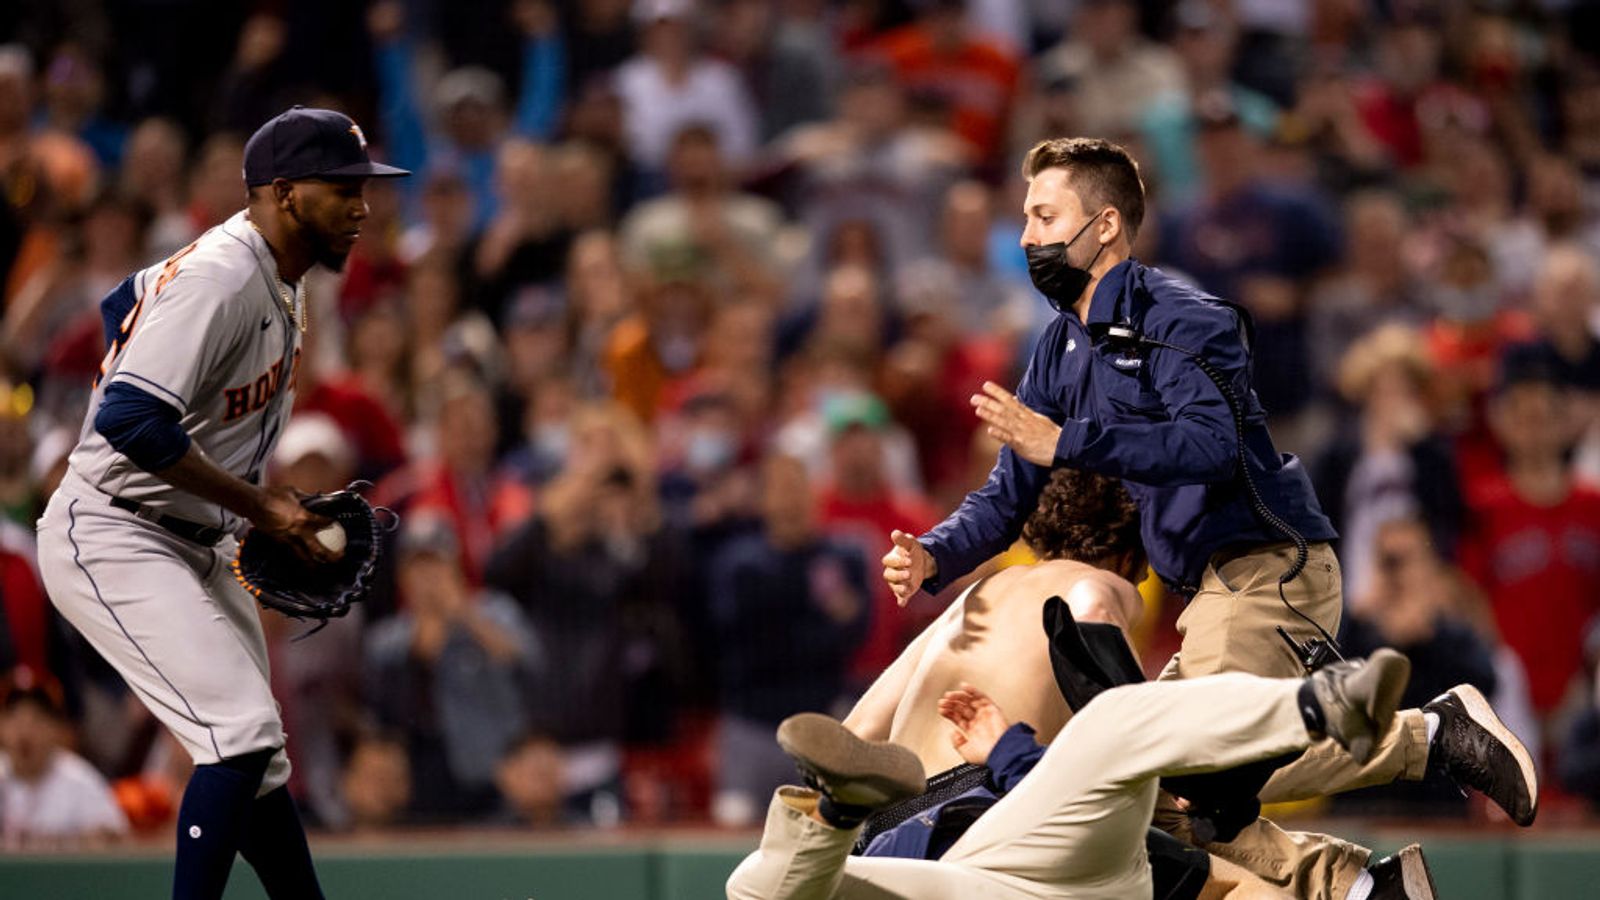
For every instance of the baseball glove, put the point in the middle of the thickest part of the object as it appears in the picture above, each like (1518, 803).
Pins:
(283, 580)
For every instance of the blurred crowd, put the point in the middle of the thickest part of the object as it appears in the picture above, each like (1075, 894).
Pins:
(680, 315)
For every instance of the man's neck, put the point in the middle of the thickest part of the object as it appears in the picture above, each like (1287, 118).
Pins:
(1108, 260)
(291, 255)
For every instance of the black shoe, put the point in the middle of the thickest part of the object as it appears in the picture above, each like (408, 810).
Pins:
(1478, 751)
(1357, 699)
(1403, 876)
(857, 776)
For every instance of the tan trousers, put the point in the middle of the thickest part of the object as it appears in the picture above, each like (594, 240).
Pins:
(1074, 828)
(1230, 626)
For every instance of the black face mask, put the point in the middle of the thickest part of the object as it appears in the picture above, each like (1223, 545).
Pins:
(1058, 280)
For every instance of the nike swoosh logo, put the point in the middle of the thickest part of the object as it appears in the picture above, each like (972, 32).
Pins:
(265, 324)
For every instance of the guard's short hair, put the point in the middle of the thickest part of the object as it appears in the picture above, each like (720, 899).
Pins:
(1085, 517)
(1102, 173)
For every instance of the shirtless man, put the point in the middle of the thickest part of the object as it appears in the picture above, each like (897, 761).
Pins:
(1085, 532)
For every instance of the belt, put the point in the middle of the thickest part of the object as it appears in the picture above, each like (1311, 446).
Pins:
(204, 535)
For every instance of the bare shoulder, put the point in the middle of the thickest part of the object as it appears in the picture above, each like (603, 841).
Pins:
(1101, 596)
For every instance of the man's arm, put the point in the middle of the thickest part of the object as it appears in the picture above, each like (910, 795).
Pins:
(275, 510)
(991, 518)
(1198, 444)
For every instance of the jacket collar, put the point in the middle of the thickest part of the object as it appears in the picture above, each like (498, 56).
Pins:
(1116, 283)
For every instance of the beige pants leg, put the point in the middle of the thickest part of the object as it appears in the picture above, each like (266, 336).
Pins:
(1231, 626)
(1075, 826)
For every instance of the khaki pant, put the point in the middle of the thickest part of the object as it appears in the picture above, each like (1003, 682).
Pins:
(1230, 626)
(1074, 828)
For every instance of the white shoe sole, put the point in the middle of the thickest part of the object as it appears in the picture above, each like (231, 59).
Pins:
(1414, 875)
(1481, 712)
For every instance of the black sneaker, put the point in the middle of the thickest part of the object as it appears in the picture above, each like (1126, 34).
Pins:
(1403, 876)
(1357, 699)
(1478, 751)
(857, 776)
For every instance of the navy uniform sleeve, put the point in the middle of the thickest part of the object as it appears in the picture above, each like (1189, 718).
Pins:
(1198, 443)
(991, 517)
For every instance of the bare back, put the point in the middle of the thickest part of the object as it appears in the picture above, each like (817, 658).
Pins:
(993, 638)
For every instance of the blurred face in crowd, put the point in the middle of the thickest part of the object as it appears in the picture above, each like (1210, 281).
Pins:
(1463, 290)
(215, 185)
(430, 582)
(696, 162)
(787, 507)
(152, 163)
(29, 733)
(669, 41)
(522, 174)
(432, 298)
(73, 86)
(1228, 153)
(595, 116)
(315, 472)
(741, 338)
(447, 206)
(1556, 194)
(850, 316)
(548, 421)
(1533, 421)
(1566, 293)
(1206, 52)
(378, 340)
(1408, 57)
(596, 285)
(1406, 595)
(965, 228)
(677, 311)
(858, 461)
(377, 783)
(874, 106)
(1106, 26)
(711, 437)
(466, 432)
(585, 195)
(113, 236)
(474, 122)
(1376, 227)
(537, 350)
(530, 778)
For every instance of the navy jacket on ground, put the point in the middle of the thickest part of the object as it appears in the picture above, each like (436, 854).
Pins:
(1150, 417)
(1013, 756)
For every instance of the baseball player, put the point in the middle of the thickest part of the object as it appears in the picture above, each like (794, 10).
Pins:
(1075, 826)
(135, 545)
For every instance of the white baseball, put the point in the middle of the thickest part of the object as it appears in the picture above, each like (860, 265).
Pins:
(332, 537)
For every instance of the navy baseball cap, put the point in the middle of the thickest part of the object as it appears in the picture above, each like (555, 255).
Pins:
(310, 143)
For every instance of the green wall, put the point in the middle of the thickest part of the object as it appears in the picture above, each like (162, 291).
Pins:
(1515, 868)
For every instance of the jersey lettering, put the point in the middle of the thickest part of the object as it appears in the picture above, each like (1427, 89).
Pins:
(251, 397)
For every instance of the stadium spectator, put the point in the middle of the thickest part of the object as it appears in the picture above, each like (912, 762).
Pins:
(1393, 462)
(969, 80)
(789, 607)
(600, 581)
(50, 797)
(671, 83)
(1415, 603)
(736, 232)
(1118, 73)
(449, 674)
(1530, 531)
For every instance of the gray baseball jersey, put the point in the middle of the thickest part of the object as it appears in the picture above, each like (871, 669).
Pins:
(212, 335)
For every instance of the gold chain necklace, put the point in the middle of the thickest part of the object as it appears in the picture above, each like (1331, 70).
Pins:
(297, 311)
